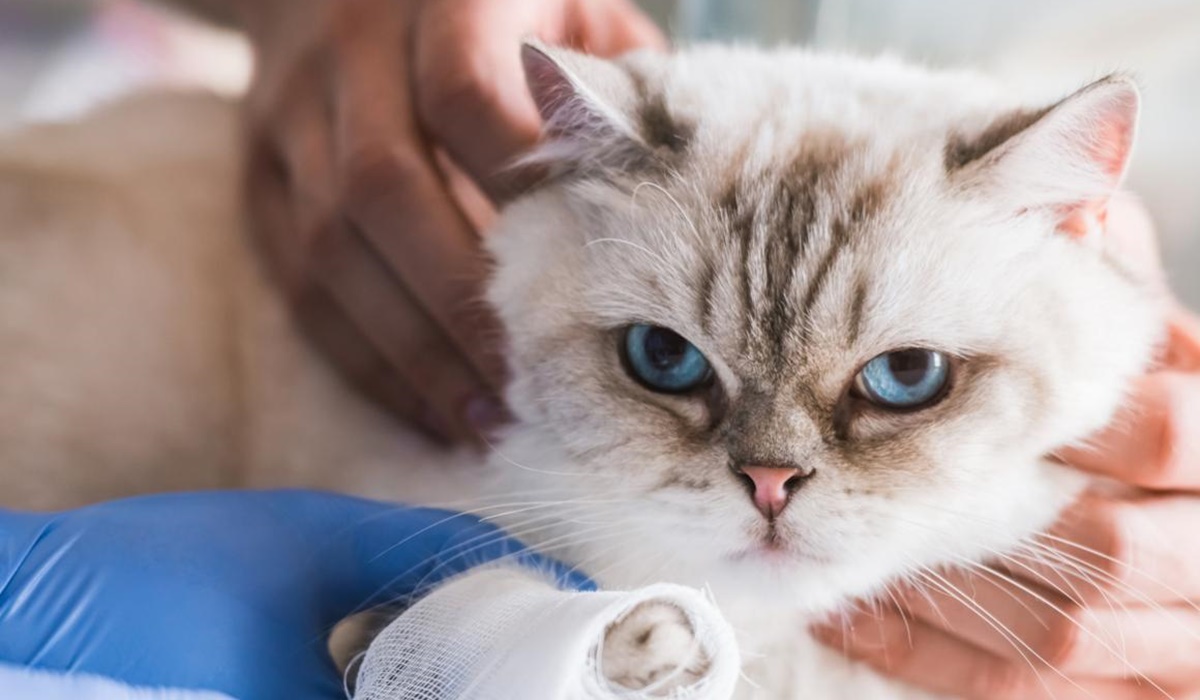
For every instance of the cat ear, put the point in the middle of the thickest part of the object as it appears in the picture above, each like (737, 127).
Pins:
(1069, 158)
(587, 105)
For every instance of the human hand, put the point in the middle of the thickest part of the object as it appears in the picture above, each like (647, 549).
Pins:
(1104, 606)
(360, 110)
(234, 592)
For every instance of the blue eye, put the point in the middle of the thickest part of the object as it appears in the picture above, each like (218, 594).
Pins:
(905, 379)
(663, 361)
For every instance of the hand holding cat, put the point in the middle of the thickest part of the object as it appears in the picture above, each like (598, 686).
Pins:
(1104, 606)
(371, 228)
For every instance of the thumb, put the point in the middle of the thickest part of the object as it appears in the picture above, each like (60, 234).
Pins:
(390, 554)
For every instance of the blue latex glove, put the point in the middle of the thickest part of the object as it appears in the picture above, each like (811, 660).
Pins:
(227, 591)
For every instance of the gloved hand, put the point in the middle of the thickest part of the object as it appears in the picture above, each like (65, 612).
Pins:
(228, 591)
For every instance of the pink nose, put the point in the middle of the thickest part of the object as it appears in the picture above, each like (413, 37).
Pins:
(773, 487)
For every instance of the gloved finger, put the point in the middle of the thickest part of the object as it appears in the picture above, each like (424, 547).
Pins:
(18, 532)
(393, 554)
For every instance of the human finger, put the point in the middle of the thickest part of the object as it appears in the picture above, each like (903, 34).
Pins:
(1128, 550)
(610, 28)
(1154, 442)
(926, 657)
(1020, 620)
(393, 193)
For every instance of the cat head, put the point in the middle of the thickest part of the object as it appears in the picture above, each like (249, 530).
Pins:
(785, 322)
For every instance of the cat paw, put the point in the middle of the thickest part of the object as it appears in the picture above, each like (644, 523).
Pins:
(653, 649)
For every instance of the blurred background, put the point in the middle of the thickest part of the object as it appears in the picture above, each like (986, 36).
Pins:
(57, 57)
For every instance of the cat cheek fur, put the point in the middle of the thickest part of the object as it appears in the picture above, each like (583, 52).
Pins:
(767, 216)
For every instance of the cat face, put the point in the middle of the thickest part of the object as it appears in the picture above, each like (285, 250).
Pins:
(790, 324)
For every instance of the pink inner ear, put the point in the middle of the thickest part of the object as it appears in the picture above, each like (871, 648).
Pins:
(550, 88)
(1084, 218)
(1110, 141)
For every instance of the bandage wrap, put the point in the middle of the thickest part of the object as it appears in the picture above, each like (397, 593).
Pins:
(504, 634)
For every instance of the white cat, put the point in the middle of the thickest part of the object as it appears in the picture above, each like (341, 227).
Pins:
(787, 325)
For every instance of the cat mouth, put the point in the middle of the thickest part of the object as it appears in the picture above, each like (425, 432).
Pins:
(775, 548)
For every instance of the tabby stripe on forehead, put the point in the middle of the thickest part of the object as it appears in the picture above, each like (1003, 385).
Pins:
(740, 222)
(785, 244)
(748, 317)
(705, 301)
(857, 302)
(839, 238)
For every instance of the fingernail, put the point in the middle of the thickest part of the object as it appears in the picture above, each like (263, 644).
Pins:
(486, 415)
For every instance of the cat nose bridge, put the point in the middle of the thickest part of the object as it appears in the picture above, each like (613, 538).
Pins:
(767, 430)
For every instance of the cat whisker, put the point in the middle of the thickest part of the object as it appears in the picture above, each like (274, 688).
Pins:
(1119, 656)
(1019, 645)
(674, 202)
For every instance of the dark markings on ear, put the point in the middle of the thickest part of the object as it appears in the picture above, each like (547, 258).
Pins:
(704, 300)
(857, 302)
(963, 149)
(657, 125)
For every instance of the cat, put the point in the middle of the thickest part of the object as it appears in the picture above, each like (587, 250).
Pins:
(787, 325)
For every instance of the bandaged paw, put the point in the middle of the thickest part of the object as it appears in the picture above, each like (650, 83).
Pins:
(654, 649)
(506, 634)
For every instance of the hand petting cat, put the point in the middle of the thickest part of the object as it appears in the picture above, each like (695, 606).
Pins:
(1104, 605)
(357, 112)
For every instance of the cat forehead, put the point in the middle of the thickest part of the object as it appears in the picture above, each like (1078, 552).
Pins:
(719, 101)
(799, 199)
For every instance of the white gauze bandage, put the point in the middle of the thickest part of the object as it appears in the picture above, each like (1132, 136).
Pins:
(505, 634)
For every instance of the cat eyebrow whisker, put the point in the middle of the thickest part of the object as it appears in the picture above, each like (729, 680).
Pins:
(674, 202)
(487, 539)
(622, 241)
(496, 451)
